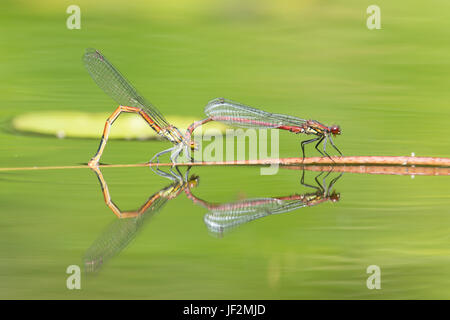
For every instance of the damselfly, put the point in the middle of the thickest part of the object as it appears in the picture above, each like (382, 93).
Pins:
(239, 115)
(122, 231)
(223, 217)
(118, 88)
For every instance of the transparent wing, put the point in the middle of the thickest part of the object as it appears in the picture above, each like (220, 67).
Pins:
(236, 114)
(229, 216)
(117, 237)
(116, 86)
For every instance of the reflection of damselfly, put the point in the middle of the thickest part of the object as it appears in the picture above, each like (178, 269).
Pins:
(239, 115)
(226, 216)
(120, 233)
(117, 87)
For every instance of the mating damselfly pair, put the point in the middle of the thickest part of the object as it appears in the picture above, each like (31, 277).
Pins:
(222, 110)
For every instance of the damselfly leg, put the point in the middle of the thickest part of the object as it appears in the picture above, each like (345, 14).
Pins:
(321, 187)
(171, 175)
(334, 181)
(307, 142)
(176, 152)
(160, 154)
(302, 181)
(317, 147)
(334, 146)
(109, 122)
(319, 140)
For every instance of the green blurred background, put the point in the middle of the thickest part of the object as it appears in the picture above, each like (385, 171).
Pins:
(387, 89)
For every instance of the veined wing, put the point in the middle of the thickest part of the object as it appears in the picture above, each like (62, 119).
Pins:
(116, 86)
(118, 236)
(228, 216)
(236, 114)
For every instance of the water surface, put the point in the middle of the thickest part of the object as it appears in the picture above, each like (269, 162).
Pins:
(387, 89)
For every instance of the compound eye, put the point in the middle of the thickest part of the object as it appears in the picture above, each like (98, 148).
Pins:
(335, 130)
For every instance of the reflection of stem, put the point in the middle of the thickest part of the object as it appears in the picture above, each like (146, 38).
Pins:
(337, 161)
(388, 170)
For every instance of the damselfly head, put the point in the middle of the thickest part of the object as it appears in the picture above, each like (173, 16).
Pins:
(335, 130)
(194, 146)
(194, 180)
(335, 197)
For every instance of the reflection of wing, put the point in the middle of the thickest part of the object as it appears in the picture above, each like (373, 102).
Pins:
(110, 80)
(226, 217)
(121, 232)
(117, 236)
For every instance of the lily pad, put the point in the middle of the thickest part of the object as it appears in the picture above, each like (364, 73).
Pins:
(72, 124)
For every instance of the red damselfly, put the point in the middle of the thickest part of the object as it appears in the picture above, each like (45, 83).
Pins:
(239, 115)
(118, 88)
(223, 217)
